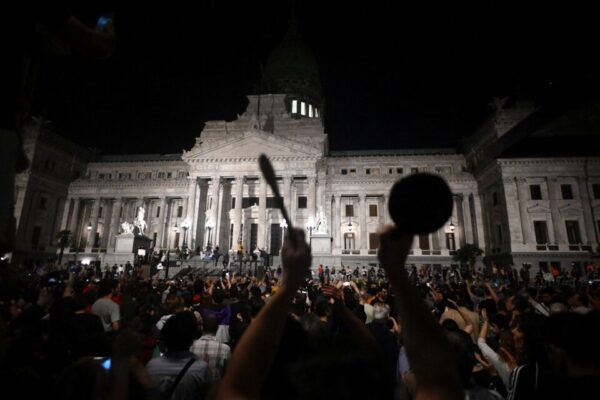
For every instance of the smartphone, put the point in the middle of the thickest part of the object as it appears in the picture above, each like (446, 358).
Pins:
(346, 284)
(227, 274)
(105, 362)
(103, 20)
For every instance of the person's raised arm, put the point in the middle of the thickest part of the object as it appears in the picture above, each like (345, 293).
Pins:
(254, 354)
(468, 323)
(426, 346)
(492, 292)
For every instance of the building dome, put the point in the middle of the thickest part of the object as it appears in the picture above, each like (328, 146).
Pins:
(292, 69)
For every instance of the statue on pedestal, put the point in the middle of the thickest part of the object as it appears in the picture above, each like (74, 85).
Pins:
(139, 221)
(126, 227)
(321, 221)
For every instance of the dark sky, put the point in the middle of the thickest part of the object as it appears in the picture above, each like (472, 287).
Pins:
(414, 74)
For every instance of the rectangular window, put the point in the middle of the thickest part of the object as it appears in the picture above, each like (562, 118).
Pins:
(316, 112)
(276, 239)
(596, 190)
(182, 174)
(375, 171)
(232, 203)
(249, 201)
(310, 111)
(100, 176)
(499, 234)
(536, 192)
(344, 172)
(176, 240)
(424, 242)
(567, 192)
(373, 241)
(35, 236)
(294, 106)
(43, 203)
(352, 170)
(154, 235)
(169, 175)
(231, 236)
(179, 211)
(161, 175)
(368, 171)
(100, 212)
(398, 171)
(121, 213)
(450, 242)
(272, 202)
(253, 236)
(302, 108)
(157, 211)
(390, 171)
(141, 175)
(573, 233)
(541, 232)
(349, 210)
(495, 198)
(302, 201)
(414, 170)
(372, 210)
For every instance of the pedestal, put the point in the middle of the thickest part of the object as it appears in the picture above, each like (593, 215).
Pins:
(126, 247)
(320, 244)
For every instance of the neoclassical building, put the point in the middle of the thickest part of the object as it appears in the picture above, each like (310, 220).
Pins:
(535, 209)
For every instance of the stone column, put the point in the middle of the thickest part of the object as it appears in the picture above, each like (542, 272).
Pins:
(458, 200)
(161, 224)
(237, 222)
(164, 231)
(65, 216)
(91, 235)
(588, 220)
(467, 219)
(479, 234)
(557, 223)
(312, 197)
(74, 216)
(190, 212)
(362, 215)
(336, 222)
(262, 212)
(113, 228)
(525, 220)
(293, 201)
(214, 195)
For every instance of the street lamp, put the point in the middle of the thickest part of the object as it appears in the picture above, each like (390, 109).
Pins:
(209, 226)
(185, 225)
(283, 224)
(452, 227)
(350, 225)
(310, 225)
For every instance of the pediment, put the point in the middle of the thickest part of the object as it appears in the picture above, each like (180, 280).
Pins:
(250, 145)
(538, 209)
(570, 209)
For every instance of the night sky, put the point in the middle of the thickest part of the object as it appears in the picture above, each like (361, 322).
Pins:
(412, 74)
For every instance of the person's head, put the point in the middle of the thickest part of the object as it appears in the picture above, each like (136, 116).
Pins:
(578, 299)
(106, 287)
(210, 324)
(546, 296)
(498, 324)
(179, 331)
(462, 348)
(174, 303)
(381, 312)
(571, 343)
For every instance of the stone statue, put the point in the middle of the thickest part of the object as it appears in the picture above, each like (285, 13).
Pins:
(321, 221)
(126, 227)
(139, 221)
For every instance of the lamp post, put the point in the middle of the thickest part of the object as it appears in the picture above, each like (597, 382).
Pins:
(209, 226)
(175, 229)
(185, 225)
(283, 224)
(452, 227)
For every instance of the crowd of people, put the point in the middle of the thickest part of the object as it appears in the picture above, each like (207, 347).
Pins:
(369, 332)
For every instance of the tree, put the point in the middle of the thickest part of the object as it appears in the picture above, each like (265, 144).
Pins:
(468, 254)
(64, 238)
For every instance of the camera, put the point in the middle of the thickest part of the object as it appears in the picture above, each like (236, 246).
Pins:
(105, 362)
